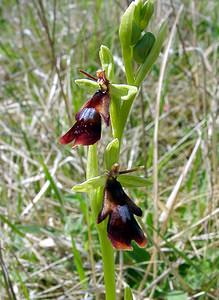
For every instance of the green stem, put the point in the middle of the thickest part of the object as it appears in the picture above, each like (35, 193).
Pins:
(126, 107)
(115, 113)
(127, 58)
(106, 247)
(108, 262)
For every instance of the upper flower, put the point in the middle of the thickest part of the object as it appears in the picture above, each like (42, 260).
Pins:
(122, 227)
(100, 101)
(87, 129)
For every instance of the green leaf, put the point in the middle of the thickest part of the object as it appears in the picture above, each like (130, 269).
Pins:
(143, 47)
(78, 263)
(111, 155)
(33, 229)
(22, 285)
(128, 293)
(107, 62)
(11, 225)
(132, 181)
(138, 254)
(177, 295)
(91, 86)
(123, 91)
(153, 55)
(90, 184)
(57, 192)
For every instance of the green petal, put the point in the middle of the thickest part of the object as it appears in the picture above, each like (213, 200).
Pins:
(90, 184)
(90, 85)
(123, 91)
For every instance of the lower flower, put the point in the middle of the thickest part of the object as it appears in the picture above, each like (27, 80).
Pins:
(122, 227)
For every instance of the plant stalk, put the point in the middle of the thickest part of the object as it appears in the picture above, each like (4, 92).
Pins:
(106, 247)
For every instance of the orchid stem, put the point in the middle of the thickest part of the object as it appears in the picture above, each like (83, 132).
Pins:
(106, 247)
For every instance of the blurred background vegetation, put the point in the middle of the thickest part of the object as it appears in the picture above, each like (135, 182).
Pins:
(47, 249)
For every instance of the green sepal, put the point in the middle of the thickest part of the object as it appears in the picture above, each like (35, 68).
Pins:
(107, 62)
(143, 47)
(132, 181)
(123, 91)
(90, 184)
(90, 85)
(111, 155)
(153, 55)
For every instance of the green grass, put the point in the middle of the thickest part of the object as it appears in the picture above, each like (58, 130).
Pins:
(48, 251)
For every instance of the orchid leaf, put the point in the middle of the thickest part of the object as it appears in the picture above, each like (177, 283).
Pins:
(128, 293)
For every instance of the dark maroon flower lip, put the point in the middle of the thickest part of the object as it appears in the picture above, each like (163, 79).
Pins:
(86, 130)
(122, 227)
(100, 101)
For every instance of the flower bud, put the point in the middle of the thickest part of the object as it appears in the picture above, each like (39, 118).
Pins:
(146, 14)
(143, 47)
(136, 33)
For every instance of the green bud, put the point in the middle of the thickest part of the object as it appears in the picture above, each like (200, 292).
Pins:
(136, 33)
(137, 12)
(143, 47)
(111, 155)
(125, 29)
(152, 56)
(146, 14)
(107, 62)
